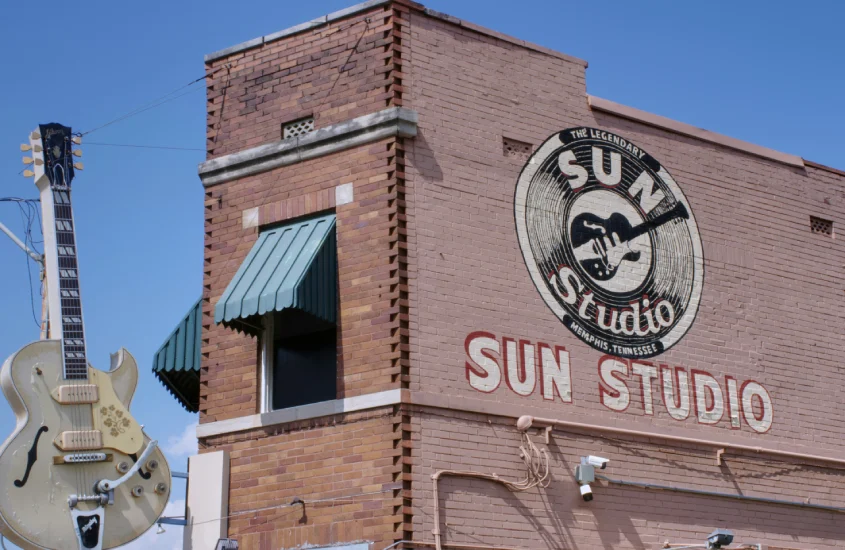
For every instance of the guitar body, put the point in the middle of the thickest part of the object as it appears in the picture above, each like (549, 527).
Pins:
(35, 482)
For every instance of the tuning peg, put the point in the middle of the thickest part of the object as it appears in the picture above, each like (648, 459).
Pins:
(39, 161)
(25, 147)
(28, 160)
(28, 173)
(77, 153)
(35, 135)
(37, 148)
(77, 140)
(78, 166)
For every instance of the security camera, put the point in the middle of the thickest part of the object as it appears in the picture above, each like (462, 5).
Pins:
(596, 461)
(586, 492)
(719, 538)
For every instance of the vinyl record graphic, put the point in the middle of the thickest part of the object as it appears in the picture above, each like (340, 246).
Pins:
(610, 242)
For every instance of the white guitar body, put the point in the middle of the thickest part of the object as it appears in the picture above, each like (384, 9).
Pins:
(34, 495)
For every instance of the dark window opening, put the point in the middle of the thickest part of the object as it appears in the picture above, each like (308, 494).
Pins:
(304, 360)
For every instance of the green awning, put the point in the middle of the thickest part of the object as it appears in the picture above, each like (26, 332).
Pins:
(177, 362)
(292, 266)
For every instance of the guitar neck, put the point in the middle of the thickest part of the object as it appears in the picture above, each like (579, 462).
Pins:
(67, 324)
(679, 211)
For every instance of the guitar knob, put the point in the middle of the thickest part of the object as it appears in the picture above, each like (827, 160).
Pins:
(152, 465)
(122, 467)
(161, 488)
(137, 491)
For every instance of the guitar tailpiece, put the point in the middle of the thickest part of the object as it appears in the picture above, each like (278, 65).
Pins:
(88, 527)
(101, 499)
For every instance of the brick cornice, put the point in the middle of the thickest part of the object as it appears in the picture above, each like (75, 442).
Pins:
(391, 122)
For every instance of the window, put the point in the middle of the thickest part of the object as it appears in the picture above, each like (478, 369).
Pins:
(300, 359)
(285, 293)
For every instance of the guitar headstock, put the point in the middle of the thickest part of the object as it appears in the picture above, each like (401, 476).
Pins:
(52, 155)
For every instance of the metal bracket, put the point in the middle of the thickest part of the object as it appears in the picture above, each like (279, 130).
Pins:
(176, 520)
(719, 454)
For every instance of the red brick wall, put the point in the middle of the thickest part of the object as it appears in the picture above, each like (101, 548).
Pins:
(772, 299)
(428, 254)
(480, 512)
(345, 468)
(335, 72)
(770, 311)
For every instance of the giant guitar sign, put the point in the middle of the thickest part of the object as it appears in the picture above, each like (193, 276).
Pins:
(78, 471)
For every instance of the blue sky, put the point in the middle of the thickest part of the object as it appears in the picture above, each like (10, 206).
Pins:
(760, 71)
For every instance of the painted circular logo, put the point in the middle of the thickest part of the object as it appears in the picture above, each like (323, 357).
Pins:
(610, 242)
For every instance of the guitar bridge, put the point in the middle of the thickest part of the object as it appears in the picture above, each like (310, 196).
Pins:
(83, 458)
(82, 440)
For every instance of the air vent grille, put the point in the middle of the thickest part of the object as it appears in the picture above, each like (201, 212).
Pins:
(516, 149)
(821, 226)
(298, 128)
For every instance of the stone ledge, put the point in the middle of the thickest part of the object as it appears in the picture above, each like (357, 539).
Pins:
(392, 122)
(304, 412)
(623, 111)
(340, 14)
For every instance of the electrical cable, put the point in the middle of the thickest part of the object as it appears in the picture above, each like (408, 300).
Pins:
(154, 103)
(291, 505)
(27, 217)
(87, 143)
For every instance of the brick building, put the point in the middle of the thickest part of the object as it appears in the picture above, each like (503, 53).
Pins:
(420, 231)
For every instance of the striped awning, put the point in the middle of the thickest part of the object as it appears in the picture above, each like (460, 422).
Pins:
(292, 266)
(177, 362)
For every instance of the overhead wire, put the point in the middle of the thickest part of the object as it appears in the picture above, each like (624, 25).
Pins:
(167, 147)
(161, 100)
(28, 217)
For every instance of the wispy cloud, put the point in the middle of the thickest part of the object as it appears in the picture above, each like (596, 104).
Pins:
(183, 445)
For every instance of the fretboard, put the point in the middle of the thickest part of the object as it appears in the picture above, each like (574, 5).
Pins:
(73, 330)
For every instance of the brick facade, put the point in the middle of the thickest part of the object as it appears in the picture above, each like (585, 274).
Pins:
(428, 255)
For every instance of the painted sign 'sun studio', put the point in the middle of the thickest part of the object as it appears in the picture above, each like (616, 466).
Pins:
(612, 246)
(610, 242)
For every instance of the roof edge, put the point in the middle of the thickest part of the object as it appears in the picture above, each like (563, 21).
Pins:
(824, 167)
(644, 117)
(346, 12)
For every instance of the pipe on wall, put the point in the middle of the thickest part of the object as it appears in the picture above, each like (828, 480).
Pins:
(701, 492)
(524, 423)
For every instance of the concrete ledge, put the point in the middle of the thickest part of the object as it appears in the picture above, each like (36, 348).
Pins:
(340, 14)
(603, 105)
(395, 121)
(346, 12)
(305, 412)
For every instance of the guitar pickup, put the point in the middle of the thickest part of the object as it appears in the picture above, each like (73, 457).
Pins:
(78, 394)
(82, 440)
(83, 458)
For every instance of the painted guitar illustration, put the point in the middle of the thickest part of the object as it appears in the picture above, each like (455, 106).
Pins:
(78, 472)
(601, 245)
